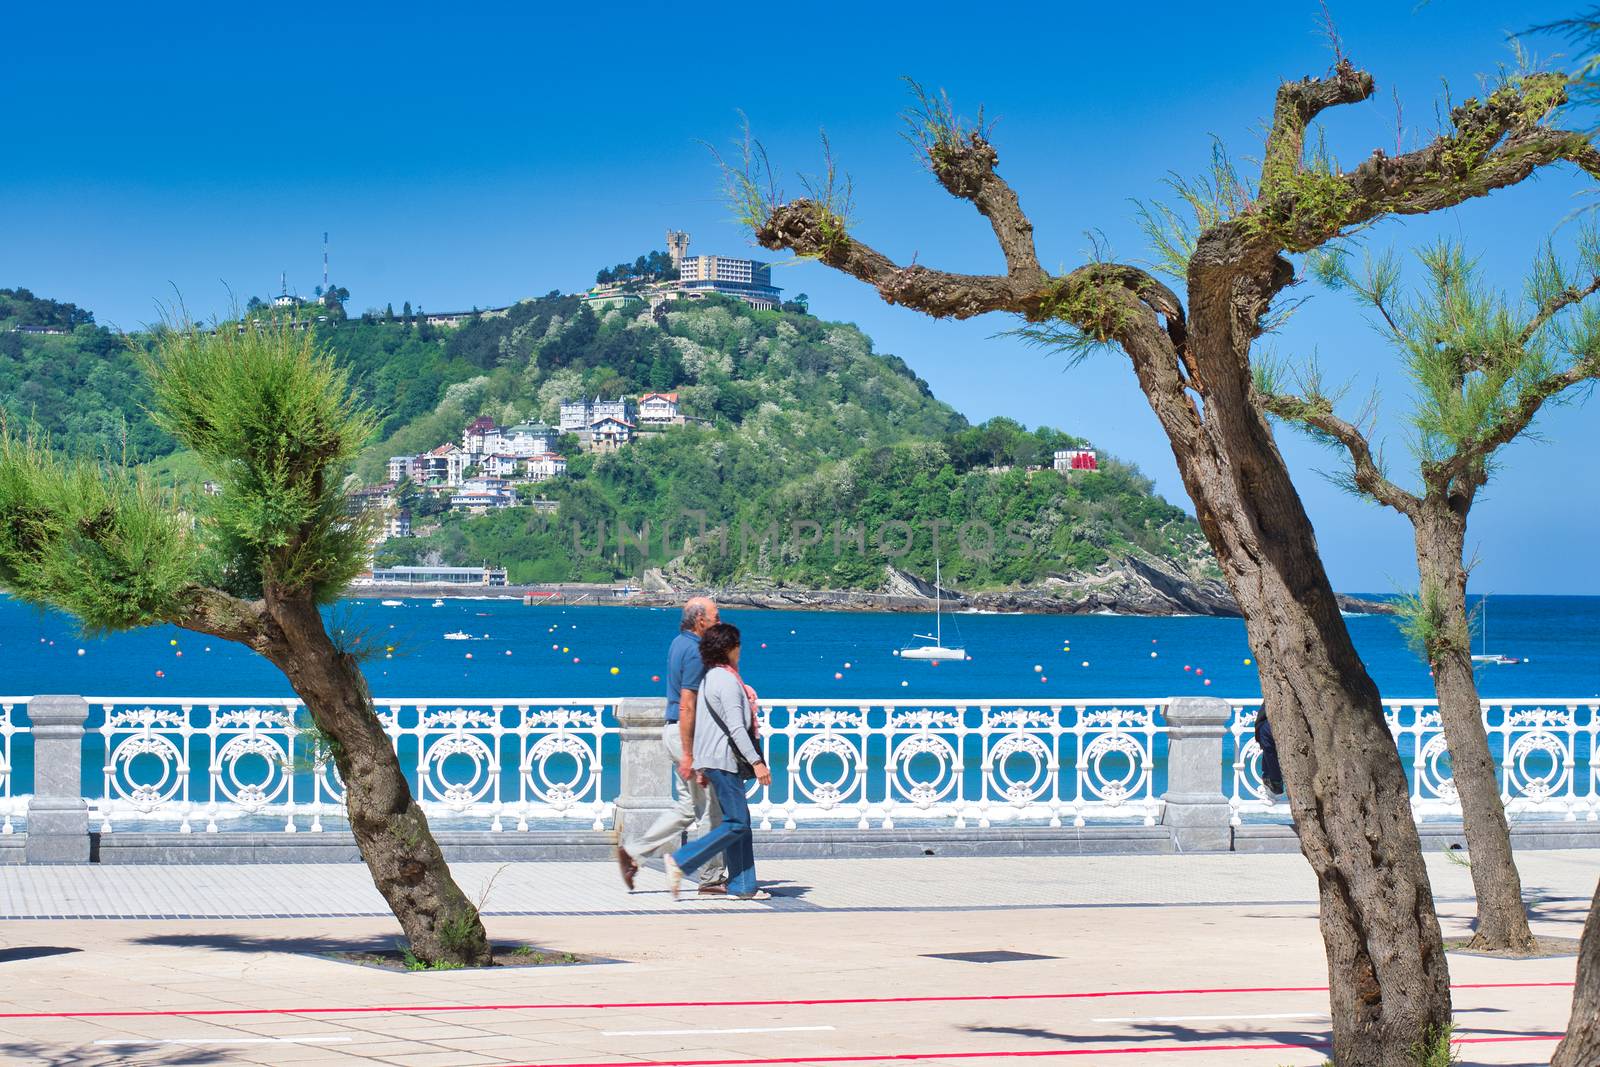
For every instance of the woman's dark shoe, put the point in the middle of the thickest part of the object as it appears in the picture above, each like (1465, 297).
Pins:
(714, 889)
(629, 866)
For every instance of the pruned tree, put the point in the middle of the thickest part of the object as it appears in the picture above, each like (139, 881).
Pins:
(1388, 978)
(275, 423)
(1482, 367)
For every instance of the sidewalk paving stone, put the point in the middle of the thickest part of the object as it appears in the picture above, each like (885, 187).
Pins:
(1117, 925)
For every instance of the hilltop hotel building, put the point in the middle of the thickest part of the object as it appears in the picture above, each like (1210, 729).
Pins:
(698, 277)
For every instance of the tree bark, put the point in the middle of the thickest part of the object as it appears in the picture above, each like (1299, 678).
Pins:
(1441, 531)
(1581, 1047)
(1388, 980)
(392, 832)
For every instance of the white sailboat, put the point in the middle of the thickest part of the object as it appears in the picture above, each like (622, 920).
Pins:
(1486, 657)
(937, 650)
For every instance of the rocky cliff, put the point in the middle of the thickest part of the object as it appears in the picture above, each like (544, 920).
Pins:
(1134, 585)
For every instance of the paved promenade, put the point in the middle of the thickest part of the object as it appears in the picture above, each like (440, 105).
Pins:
(1148, 960)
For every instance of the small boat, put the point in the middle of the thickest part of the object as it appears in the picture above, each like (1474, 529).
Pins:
(1487, 658)
(393, 603)
(458, 635)
(937, 650)
(438, 603)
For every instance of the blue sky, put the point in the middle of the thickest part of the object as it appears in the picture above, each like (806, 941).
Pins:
(473, 154)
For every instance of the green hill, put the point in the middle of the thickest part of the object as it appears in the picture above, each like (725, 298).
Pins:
(817, 461)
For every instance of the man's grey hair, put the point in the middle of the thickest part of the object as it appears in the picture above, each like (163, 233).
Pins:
(693, 611)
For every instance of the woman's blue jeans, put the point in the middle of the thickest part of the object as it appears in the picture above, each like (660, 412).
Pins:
(733, 837)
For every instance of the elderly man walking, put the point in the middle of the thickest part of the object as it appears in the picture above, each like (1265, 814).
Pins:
(695, 803)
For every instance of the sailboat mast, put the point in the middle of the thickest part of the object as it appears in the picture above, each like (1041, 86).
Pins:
(938, 605)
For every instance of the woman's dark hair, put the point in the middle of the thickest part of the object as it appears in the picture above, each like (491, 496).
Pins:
(717, 644)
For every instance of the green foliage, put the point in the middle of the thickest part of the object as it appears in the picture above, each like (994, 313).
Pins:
(1434, 1049)
(460, 930)
(1209, 200)
(274, 423)
(82, 390)
(832, 198)
(785, 397)
(751, 189)
(939, 134)
(655, 266)
(1431, 629)
(1481, 364)
(796, 407)
(21, 310)
(104, 544)
(751, 186)
(413, 962)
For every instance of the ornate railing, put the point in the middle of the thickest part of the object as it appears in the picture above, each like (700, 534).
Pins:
(872, 763)
(198, 761)
(1545, 751)
(9, 728)
(199, 764)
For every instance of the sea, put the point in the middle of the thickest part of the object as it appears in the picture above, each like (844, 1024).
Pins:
(517, 650)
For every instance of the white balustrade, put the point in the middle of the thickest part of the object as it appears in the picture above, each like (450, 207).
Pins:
(1540, 746)
(965, 763)
(262, 758)
(211, 764)
(9, 728)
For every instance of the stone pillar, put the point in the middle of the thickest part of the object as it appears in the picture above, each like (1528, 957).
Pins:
(58, 816)
(1196, 812)
(646, 774)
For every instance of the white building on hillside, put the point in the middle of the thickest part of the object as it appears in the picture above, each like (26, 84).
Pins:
(444, 465)
(609, 434)
(482, 436)
(402, 467)
(478, 495)
(529, 439)
(580, 416)
(544, 466)
(659, 409)
(1076, 459)
(500, 465)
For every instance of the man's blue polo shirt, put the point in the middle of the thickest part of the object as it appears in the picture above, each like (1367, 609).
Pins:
(684, 669)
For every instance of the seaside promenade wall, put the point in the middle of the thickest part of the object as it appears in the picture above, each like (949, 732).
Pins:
(198, 780)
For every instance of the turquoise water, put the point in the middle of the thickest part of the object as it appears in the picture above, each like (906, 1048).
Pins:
(570, 652)
(1560, 636)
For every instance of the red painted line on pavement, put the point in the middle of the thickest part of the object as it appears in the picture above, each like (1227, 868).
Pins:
(1141, 1050)
(605, 1006)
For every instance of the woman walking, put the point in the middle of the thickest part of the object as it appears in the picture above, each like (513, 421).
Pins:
(727, 754)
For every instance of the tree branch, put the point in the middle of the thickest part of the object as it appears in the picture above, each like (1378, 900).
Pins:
(965, 162)
(1556, 304)
(1317, 413)
(211, 611)
(1471, 454)
(1494, 143)
(966, 169)
(1297, 104)
(798, 227)
(795, 226)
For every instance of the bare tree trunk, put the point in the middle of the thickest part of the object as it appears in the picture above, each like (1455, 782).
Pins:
(391, 831)
(1581, 1048)
(1502, 917)
(1389, 984)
